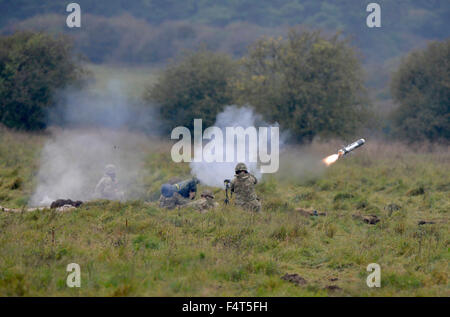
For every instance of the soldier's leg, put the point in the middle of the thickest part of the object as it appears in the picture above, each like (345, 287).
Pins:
(248, 205)
(256, 205)
(161, 201)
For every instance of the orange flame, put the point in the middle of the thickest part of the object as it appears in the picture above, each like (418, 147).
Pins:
(331, 159)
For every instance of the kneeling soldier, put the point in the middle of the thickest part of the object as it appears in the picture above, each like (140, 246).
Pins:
(243, 186)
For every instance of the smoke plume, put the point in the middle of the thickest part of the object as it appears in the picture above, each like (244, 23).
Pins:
(213, 174)
(301, 164)
(91, 130)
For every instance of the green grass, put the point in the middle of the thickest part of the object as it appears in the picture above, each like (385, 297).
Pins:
(137, 249)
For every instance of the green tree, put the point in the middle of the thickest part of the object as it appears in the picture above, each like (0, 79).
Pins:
(421, 88)
(309, 84)
(32, 67)
(197, 86)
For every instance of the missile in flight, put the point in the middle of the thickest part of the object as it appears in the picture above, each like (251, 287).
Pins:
(344, 151)
(351, 147)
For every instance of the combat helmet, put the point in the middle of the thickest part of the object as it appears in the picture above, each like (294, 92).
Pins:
(240, 167)
(110, 170)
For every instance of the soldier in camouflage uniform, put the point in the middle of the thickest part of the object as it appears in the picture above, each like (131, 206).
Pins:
(173, 201)
(243, 186)
(108, 186)
(205, 203)
(178, 194)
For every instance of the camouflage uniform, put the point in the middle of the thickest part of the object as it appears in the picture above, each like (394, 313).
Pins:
(205, 203)
(108, 187)
(243, 186)
(173, 201)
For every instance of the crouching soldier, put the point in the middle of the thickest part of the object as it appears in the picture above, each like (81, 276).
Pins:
(243, 186)
(205, 202)
(178, 194)
(108, 186)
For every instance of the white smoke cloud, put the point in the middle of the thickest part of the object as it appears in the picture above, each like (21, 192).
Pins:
(301, 164)
(214, 173)
(94, 129)
(111, 108)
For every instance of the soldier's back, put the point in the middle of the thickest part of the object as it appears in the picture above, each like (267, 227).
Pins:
(105, 188)
(244, 189)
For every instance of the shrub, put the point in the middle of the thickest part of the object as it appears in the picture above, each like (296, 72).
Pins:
(194, 87)
(309, 84)
(32, 67)
(420, 87)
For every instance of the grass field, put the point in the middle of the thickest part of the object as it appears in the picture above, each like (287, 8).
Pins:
(137, 249)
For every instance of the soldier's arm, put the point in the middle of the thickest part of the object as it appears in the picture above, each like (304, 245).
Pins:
(232, 185)
(254, 179)
(100, 188)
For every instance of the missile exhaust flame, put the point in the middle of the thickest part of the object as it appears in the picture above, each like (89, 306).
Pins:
(344, 151)
(330, 159)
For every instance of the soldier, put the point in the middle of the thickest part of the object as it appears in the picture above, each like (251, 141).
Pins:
(178, 194)
(108, 187)
(187, 188)
(205, 203)
(243, 186)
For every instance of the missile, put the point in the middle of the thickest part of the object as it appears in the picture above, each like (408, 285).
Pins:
(344, 151)
(351, 147)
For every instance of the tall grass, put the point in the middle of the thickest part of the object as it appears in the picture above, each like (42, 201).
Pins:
(137, 249)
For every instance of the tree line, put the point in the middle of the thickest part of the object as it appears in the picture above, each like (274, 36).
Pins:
(311, 84)
(153, 30)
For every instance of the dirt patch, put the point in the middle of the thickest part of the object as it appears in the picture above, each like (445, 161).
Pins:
(369, 219)
(16, 184)
(333, 288)
(424, 222)
(63, 202)
(416, 191)
(294, 278)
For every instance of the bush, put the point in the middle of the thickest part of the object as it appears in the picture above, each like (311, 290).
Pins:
(421, 88)
(309, 84)
(194, 87)
(32, 67)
